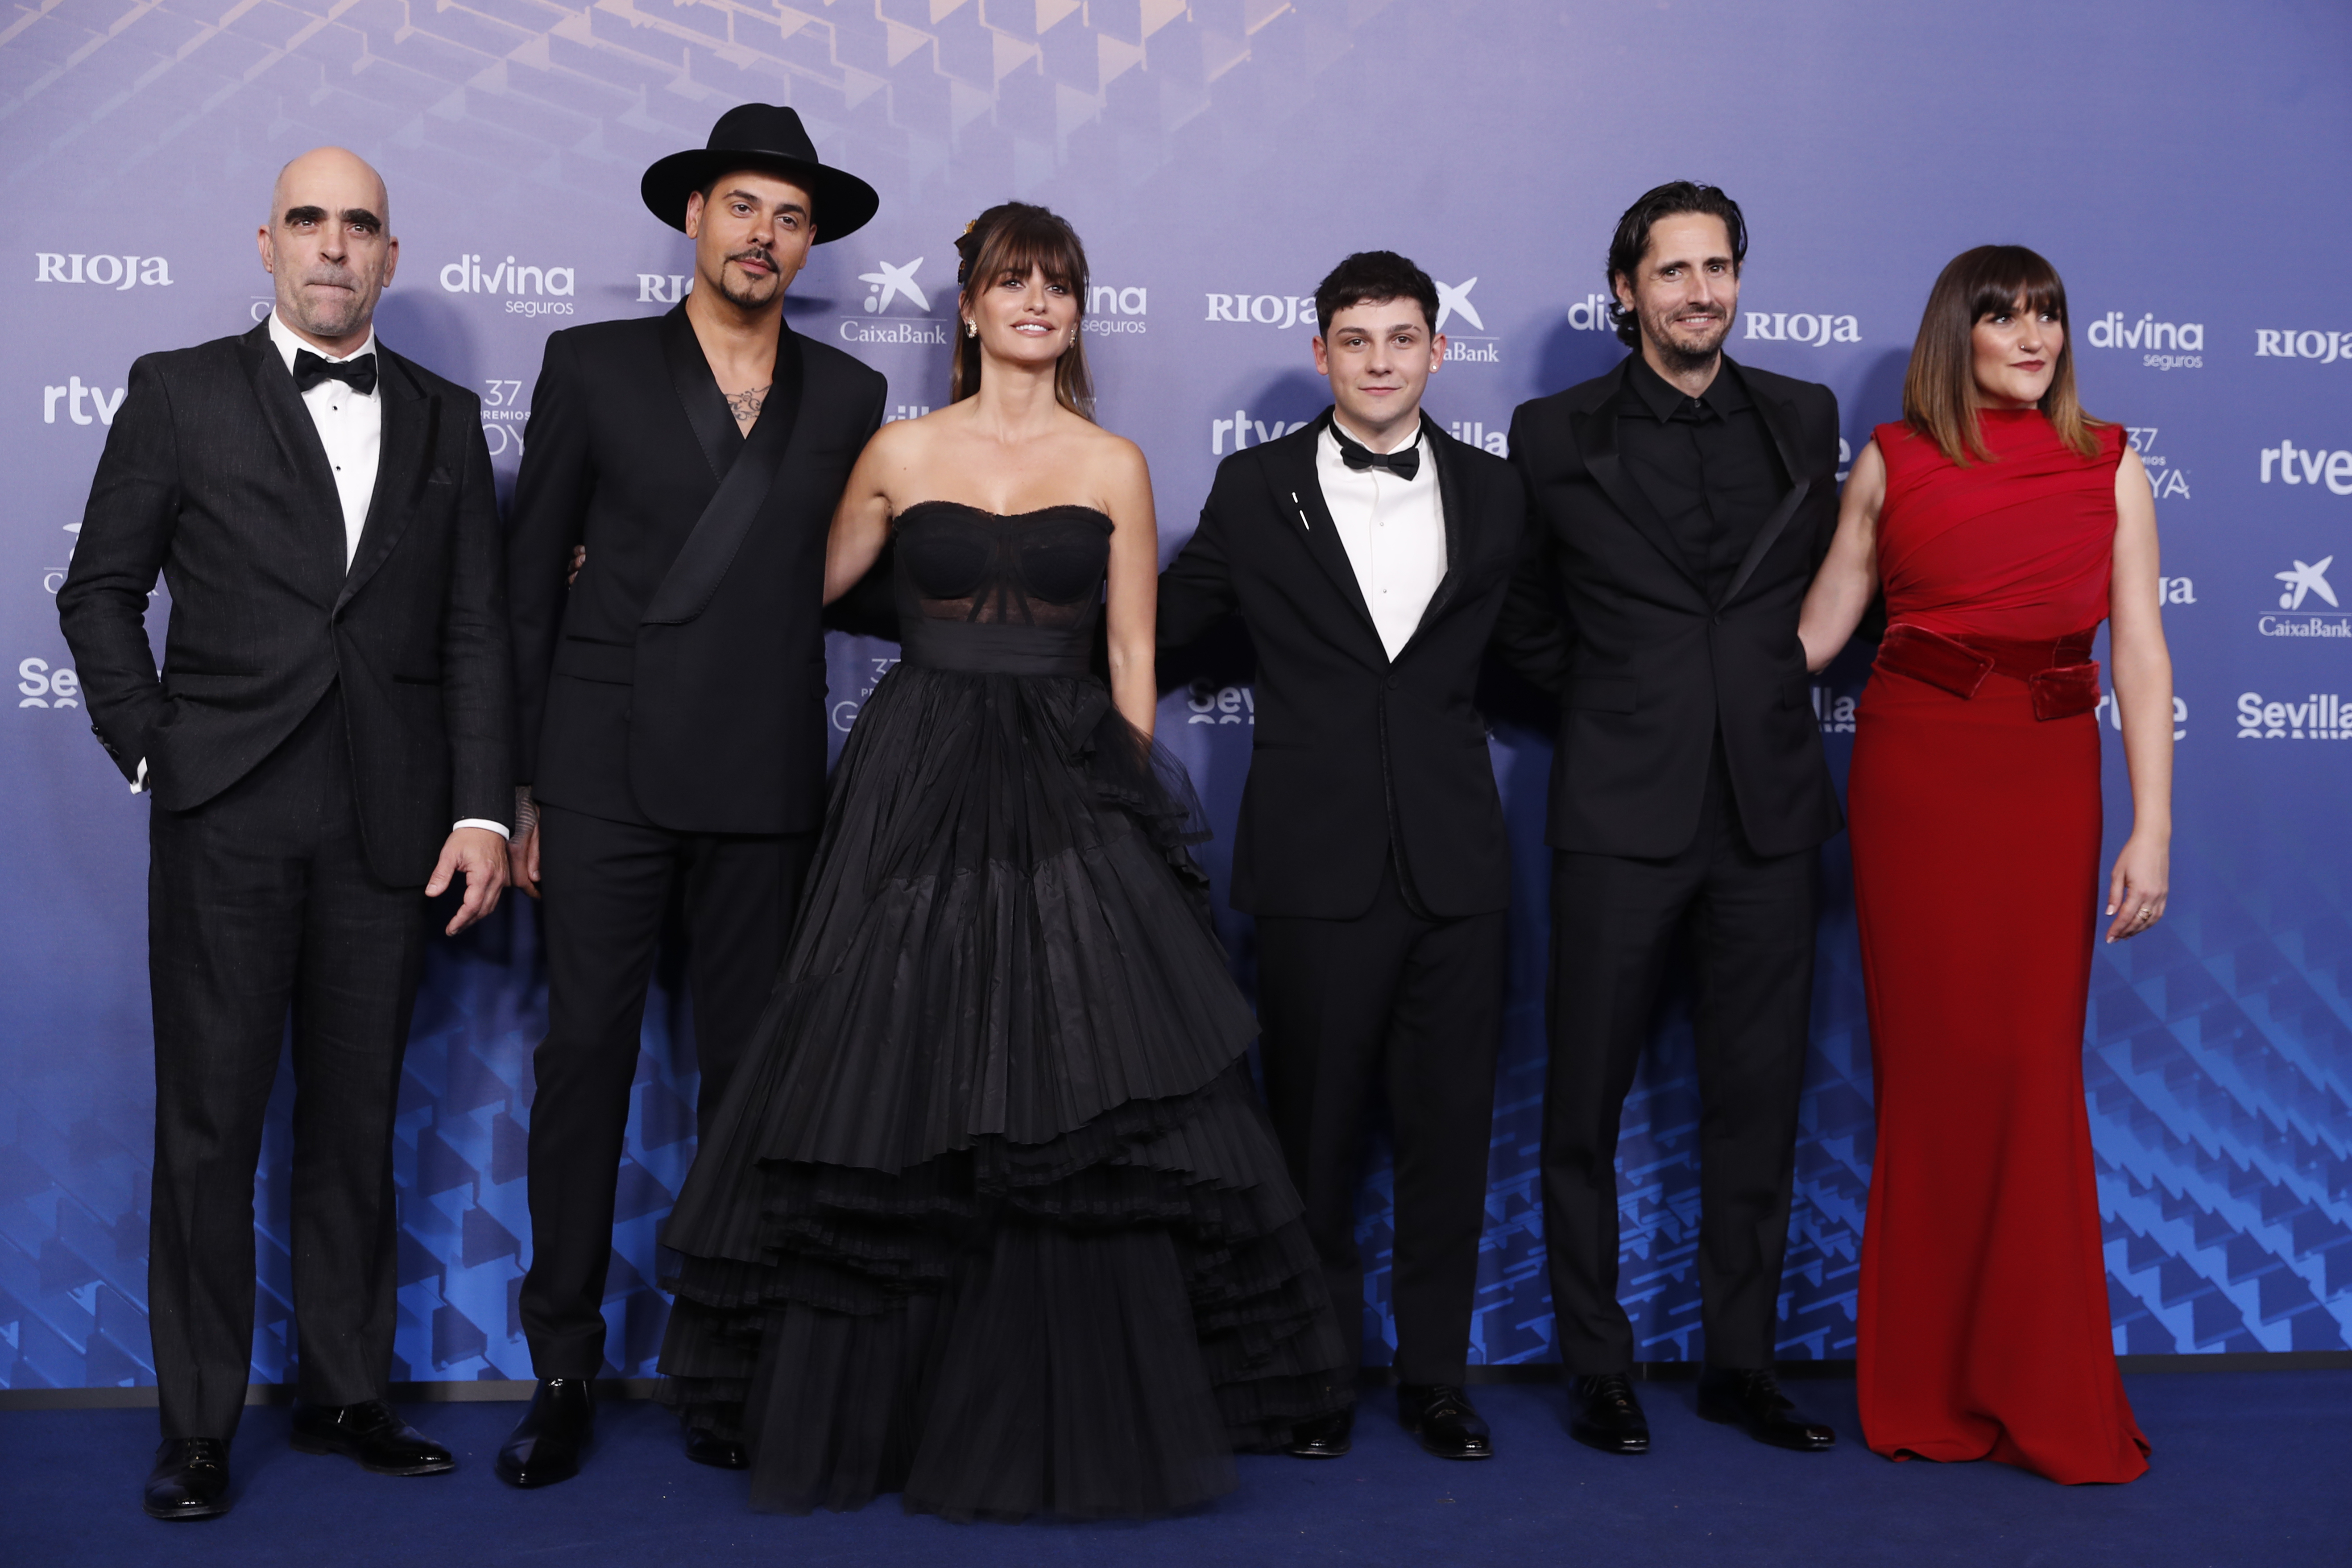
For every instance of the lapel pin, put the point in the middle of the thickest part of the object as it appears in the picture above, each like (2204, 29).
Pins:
(1302, 513)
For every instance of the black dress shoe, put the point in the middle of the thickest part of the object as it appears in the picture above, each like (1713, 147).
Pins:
(190, 1480)
(1752, 1401)
(371, 1434)
(1608, 1416)
(1441, 1415)
(719, 1453)
(1323, 1437)
(544, 1448)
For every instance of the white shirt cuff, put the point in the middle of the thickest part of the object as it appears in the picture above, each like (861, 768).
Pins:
(498, 828)
(138, 785)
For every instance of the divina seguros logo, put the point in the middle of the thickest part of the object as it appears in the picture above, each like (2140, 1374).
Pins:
(115, 272)
(530, 290)
(2164, 345)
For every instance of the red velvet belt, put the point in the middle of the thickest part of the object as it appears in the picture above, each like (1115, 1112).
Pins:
(2059, 671)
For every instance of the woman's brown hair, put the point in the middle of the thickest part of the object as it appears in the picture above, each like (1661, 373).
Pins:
(1939, 400)
(1014, 238)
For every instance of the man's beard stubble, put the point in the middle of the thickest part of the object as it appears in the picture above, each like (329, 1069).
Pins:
(1683, 356)
(746, 295)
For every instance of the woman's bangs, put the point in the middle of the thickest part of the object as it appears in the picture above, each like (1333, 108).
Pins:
(1022, 248)
(2013, 273)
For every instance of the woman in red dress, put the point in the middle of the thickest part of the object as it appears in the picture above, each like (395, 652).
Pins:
(2003, 525)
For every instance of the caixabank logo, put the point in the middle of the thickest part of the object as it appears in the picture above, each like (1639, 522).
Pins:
(528, 289)
(2304, 587)
(2161, 345)
(116, 272)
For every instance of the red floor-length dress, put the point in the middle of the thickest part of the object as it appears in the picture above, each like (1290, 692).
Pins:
(1983, 1316)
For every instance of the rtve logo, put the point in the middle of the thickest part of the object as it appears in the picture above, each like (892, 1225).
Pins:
(115, 272)
(1241, 428)
(1814, 329)
(527, 289)
(71, 395)
(2286, 343)
(2169, 345)
(2308, 466)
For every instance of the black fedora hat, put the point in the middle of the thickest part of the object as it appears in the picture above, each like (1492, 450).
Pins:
(762, 136)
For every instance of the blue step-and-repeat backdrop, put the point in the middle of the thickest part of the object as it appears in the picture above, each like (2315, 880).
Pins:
(2185, 166)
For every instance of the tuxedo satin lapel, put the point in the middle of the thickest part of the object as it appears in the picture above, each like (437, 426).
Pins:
(320, 523)
(720, 440)
(1781, 421)
(1453, 500)
(703, 560)
(1299, 504)
(411, 421)
(1596, 437)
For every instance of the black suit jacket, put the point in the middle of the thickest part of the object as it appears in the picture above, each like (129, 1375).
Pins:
(213, 474)
(1607, 614)
(1353, 753)
(681, 680)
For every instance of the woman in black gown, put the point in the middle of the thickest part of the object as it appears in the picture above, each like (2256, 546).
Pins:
(990, 1216)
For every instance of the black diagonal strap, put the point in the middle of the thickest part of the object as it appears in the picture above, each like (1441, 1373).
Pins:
(703, 561)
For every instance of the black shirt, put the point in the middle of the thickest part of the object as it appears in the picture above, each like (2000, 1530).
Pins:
(1706, 463)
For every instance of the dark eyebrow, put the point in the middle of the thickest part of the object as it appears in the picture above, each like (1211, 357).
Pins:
(305, 214)
(748, 197)
(361, 215)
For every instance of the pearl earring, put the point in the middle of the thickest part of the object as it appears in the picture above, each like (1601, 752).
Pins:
(971, 329)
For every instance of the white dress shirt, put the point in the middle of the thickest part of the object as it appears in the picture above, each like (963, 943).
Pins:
(1393, 530)
(351, 427)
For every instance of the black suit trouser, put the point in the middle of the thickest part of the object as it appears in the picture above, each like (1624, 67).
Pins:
(605, 887)
(1411, 1007)
(1750, 923)
(260, 902)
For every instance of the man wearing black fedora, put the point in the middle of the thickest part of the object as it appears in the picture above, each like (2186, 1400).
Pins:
(671, 697)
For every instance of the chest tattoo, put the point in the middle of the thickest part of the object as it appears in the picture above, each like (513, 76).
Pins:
(745, 405)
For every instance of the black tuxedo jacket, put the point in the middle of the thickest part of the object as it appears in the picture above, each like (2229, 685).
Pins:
(1353, 753)
(681, 680)
(1608, 614)
(214, 475)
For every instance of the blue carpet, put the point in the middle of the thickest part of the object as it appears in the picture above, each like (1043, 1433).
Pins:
(2249, 1468)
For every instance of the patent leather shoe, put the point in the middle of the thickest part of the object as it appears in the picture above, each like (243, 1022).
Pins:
(1608, 1416)
(1441, 1418)
(546, 1444)
(719, 1453)
(373, 1434)
(1751, 1400)
(190, 1480)
(1323, 1437)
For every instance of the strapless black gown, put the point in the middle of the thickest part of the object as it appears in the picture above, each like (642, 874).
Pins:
(991, 1214)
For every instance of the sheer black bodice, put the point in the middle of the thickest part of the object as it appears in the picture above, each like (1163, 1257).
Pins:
(1014, 594)
(991, 1214)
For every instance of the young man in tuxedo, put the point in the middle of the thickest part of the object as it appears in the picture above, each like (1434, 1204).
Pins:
(326, 746)
(671, 697)
(1681, 504)
(1369, 554)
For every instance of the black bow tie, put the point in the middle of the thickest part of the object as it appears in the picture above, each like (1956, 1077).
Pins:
(1403, 463)
(310, 369)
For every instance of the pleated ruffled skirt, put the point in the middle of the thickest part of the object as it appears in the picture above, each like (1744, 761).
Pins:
(992, 1216)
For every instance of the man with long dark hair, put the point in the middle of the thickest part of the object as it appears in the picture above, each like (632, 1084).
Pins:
(1367, 554)
(671, 711)
(1682, 503)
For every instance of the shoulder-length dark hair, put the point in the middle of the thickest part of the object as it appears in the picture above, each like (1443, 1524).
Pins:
(1014, 238)
(1939, 396)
